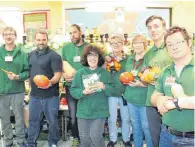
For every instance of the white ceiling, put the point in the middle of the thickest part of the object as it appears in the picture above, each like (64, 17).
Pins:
(116, 3)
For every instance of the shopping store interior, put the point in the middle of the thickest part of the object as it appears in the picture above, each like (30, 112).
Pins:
(98, 19)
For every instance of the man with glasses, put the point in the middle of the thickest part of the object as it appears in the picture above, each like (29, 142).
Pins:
(156, 56)
(71, 53)
(14, 71)
(177, 123)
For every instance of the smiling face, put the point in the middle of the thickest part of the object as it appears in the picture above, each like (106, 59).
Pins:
(92, 59)
(116, 43)
(177, 46)
(138, 45)
(156, 29)
(9, 37)
(41, 41)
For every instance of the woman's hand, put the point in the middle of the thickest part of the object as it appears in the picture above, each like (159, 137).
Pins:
(88, 91)
(136, 83)
(100, 85)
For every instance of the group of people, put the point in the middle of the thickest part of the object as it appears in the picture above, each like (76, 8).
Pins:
(19, 67)
(154, 111)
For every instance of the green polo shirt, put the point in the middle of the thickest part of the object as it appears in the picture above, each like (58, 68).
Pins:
(156, 57)
(19, 66)
(70, 51)
(135, 95)
(178, 120)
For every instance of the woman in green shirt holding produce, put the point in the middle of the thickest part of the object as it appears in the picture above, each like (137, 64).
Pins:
(136, 93)
(91, 86)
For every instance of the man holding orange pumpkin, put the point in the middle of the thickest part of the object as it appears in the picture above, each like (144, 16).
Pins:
(14, 71)
(45, 73)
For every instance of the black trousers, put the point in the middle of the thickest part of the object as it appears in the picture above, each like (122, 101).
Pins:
(72, 107)
(154, 122)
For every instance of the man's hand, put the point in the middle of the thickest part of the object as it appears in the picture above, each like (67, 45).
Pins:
(170, 105)
(46, 87)
(12, 76)
(88, 91)
(161, 104)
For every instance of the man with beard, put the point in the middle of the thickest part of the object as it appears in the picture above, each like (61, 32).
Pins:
(156, 56)
(71, 53)
(44, 100)
(14, 63)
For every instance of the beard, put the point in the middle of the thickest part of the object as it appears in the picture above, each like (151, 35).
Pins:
(41, 47)
(76, 41)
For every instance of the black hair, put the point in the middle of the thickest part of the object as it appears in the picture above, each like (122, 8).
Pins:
(92, 49)
(76, 26)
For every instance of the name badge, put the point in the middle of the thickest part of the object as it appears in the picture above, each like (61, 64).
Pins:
(134, 72)
(8, 58)
(77, 59)
(170, 81)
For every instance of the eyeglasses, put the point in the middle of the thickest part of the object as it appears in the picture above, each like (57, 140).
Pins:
(116, 44)
(136, 43)
(170, 45)
(92, 55)
(10, 34)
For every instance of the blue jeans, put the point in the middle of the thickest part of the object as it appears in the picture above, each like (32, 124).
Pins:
(72, 107)
(126, 126)
(169, 140)
(154, 122)
(91, 132)
(140, 124)
(38, 107)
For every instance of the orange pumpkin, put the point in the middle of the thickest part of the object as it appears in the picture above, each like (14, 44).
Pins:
(41, 81)
(126, 77)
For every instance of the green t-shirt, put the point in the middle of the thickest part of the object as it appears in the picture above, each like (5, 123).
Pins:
(178, 120)
(94, 105)
(19, 66)
(70, 51)
(156, 57)
(135, 95)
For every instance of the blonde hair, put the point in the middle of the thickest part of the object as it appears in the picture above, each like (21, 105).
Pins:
(118, 37)
(141, 37)
(10, 29)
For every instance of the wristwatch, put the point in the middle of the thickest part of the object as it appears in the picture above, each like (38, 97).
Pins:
(175, 101)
